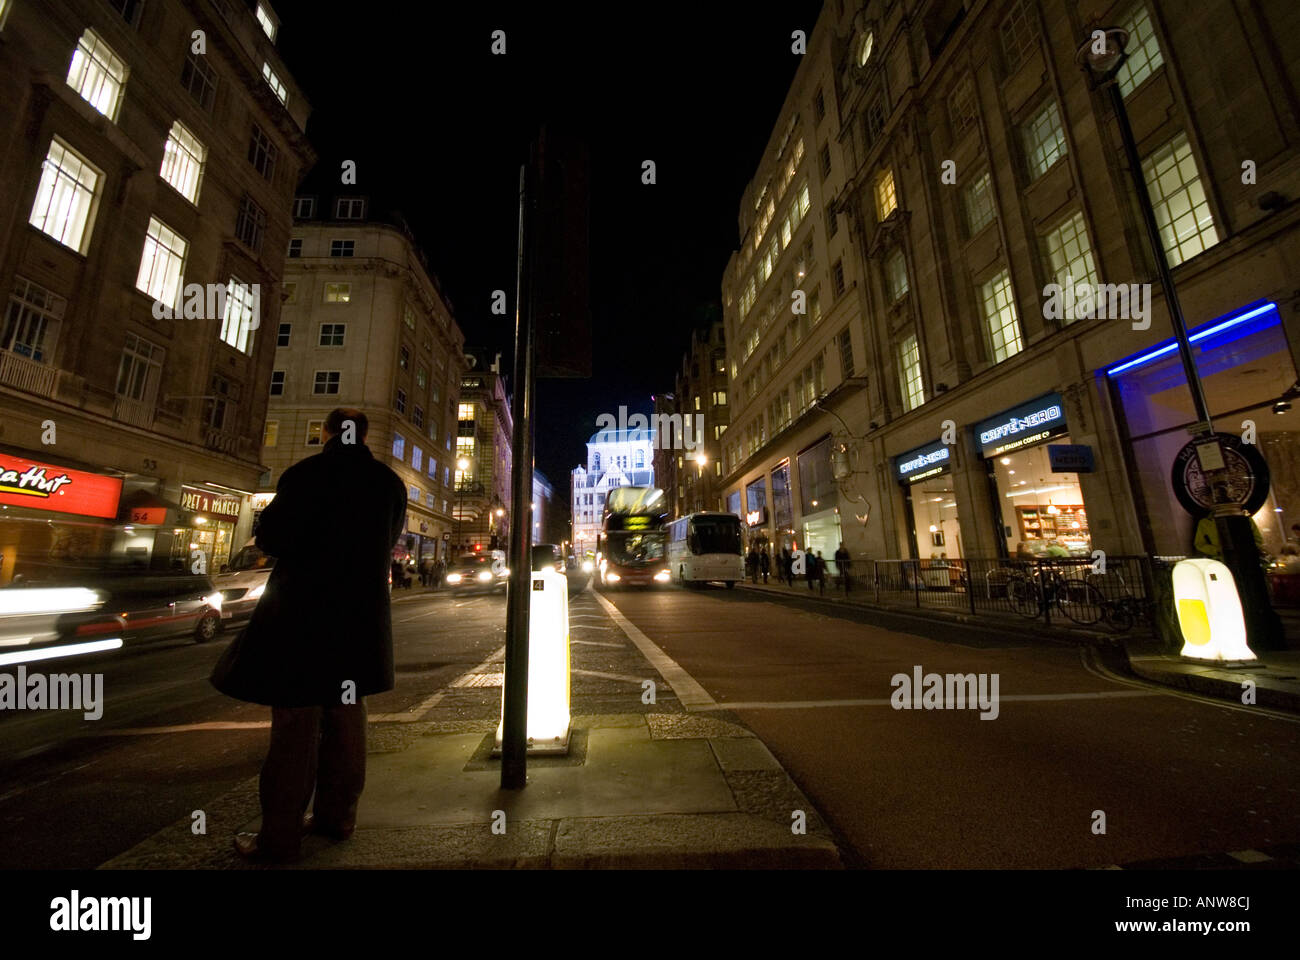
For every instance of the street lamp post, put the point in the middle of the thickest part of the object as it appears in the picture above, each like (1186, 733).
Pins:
(1101, 57)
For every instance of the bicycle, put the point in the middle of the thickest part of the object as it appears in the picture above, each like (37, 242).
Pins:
(1077, 600)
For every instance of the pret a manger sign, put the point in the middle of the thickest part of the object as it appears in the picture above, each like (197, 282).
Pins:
(201, 501)
(43, 486)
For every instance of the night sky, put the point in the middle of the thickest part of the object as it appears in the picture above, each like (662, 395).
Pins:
(412, 92)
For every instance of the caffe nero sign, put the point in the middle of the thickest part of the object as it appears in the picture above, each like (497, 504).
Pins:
(1022, 426)
(927, 461)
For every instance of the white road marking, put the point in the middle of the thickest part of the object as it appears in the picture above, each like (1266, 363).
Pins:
(691, 695)
(420, 709)
(597, 643)
(186, 728)
(610, 676)
(1004, 698)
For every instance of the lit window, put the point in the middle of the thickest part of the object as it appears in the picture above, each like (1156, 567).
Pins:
(338, 292)
(896, 276)
(417, 458)
(67, 196)
(1044, 139)
(1019, 34)
(342, 248)
(98, 74)
(243, 304)
(277, 383)
(1182, 212)
(271, 433)
(183, 160)
(1143, 50)
(909, 374)
(408, 316)
(1069, 256)
(977, 199)
(274, 82)
(465, 411)
(421, 377)
(331, 334)
(399, 447)
(314, 432)
(865, 48)
(1001, 318)
(162, 263)
(886, 197)
(326, 382)
(267, 20)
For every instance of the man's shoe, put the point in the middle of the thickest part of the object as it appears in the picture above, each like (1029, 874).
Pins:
(333, 831)
(248, 846)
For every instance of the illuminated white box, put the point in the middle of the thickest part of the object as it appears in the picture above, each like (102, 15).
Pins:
(1209, 611)
(548, 665)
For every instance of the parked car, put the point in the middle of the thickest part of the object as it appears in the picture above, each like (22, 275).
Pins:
(478, 573)
(244, 582)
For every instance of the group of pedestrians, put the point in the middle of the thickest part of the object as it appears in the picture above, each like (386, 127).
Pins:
(758, 562)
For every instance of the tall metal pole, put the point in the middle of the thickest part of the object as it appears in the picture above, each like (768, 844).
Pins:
(514, 721)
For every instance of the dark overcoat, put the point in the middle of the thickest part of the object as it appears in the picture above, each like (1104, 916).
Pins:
(324, 617)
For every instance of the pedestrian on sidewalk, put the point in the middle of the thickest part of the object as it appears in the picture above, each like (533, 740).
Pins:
(321, 638)
(810, 568)
(764, 564)
(842, 561)
(821, 573)
(787, 565)
(751, 564)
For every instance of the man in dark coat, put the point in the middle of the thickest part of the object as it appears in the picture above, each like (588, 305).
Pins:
(321, 637)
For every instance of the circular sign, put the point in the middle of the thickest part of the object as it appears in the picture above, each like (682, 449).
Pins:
(1243, 481)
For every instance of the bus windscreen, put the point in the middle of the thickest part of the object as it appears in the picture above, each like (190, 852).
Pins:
(636, 549)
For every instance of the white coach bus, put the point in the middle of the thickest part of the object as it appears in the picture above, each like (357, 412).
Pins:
(704, 547)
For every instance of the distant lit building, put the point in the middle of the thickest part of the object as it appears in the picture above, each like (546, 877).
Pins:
(615, 458)
(483, 442)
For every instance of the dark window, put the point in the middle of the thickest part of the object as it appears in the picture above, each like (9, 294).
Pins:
(282, 334)
(342, 248)
(837, 277)
(826, 161)
(417, 415)
(277, 383)
(331, 334)
(400, 402)
(819, 102)
(873, 122)
(832, 224)
(404, 357)
(846, 353)
(327, 381)
(295, 248)
(304, 208)
(129, 9)
(250, 224)
(262, 153)
(199, 79)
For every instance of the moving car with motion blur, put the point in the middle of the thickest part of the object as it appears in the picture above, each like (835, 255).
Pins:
(548, 555)
(478, 573)
(244, 582)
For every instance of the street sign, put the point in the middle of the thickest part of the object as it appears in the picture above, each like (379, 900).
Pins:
(1070, 457)
(1243, 479)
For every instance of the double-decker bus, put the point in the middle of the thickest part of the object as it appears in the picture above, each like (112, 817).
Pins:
(631, 549)
(704, 547)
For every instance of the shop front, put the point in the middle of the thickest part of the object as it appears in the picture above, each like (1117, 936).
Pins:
(1033, 471)
(929, 502)
(206, 523)
(53, 519)
(782, 508)
(819, 503)
(756, 514)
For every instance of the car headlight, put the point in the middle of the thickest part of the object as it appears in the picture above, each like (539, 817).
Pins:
(213, 600)
(256, 592)
(485, 575)
(588, 566)
(613, 577)
(453, 578)
(662, 576)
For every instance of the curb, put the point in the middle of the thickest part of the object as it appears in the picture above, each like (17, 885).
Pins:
(1220, 688)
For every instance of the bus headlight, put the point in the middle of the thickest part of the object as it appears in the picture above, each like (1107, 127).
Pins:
(588, 566)
(613, 577)
(662, 576)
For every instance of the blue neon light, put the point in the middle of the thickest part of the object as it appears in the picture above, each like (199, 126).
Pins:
(1202, 334)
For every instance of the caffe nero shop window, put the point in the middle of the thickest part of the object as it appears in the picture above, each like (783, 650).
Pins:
(930, 502)
(1246, 368)
(1033, 471)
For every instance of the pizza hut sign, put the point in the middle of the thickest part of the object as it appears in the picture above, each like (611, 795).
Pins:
(202, 501)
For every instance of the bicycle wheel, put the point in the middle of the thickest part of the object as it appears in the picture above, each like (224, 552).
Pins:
(1118, 616)
(1080, 601)
(1026, 598)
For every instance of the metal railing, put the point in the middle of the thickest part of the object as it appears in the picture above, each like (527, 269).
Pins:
(138, 413)
(29, 375)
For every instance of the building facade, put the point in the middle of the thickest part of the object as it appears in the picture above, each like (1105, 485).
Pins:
(364, 324)
(152, 154)
(483, 458)
(615, 458)
(701, 393)
(1019, 389)
(793, 312)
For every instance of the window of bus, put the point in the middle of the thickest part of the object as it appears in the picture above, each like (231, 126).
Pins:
(1249, 378)
(713, 535)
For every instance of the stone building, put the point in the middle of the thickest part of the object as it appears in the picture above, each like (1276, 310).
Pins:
(615, 458)
(152, 151)
(483, 441)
